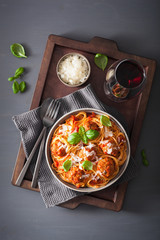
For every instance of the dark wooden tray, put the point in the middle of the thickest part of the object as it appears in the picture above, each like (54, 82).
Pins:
(133, 110)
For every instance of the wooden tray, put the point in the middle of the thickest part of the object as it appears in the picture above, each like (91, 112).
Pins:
(133, 110)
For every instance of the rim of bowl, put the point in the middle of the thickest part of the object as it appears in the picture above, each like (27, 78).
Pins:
(69, 185)
(70, 54)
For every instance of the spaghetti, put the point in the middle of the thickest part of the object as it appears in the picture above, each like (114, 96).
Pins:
(88, 150)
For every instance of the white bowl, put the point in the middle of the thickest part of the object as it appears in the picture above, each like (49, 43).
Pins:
(49, 159)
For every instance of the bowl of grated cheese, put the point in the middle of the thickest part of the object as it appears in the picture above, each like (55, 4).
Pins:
(73, 69)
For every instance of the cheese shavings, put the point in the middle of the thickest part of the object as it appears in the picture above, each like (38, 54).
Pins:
(73, 70)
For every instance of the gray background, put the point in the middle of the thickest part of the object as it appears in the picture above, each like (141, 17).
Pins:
(134, 25)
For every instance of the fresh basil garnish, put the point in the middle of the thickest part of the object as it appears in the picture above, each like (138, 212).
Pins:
(101, 60)
(18, 50)
(87, 165)
(22, 86)
(67, 165)
(15, 87)
(105, 121)
(18, 72)
(92, 134)
(144, 158)
(82, 133)
(74, 138)
(11, 78)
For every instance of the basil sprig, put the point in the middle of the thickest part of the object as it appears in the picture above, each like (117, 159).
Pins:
(16, 87)
(17, 74)
(87, 165)
(67, 165)
(83, 135)
(105, 121)
(101, 60)
(144, 158)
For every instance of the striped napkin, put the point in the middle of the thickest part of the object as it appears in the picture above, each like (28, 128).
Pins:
(29, 124)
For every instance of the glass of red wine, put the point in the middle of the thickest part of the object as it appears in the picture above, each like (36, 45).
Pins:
(124, 80)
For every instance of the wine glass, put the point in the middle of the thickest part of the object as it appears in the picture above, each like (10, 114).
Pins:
(124, 80)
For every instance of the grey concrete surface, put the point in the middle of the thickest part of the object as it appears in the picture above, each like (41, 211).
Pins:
(134, 25)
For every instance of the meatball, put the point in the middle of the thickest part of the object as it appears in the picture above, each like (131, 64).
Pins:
(91, 125)
(106, 167)
(96, 181)
(87, 154)
(109, 147)
(58, 149)
(75, 176)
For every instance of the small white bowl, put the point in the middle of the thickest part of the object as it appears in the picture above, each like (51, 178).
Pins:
(64, 58)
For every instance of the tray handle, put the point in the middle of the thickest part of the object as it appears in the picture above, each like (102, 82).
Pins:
(104, 43)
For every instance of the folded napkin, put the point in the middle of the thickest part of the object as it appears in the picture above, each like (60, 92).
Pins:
(29, 124)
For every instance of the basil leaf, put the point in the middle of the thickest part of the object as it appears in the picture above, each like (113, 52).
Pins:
(87, 165)
(11, 79)
(74, 138)
(18, 50)
(81, 130)
(105, 121)
(67, 165)
(22, 86)
(144, 158)
(84, 138)
(18, 72)
(15, 87)
(82, 133)
(101, 60)
(92, 134)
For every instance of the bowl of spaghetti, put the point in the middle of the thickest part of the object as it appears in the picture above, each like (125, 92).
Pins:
(87, 150)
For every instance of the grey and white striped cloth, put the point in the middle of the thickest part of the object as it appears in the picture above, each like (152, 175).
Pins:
(29, 124)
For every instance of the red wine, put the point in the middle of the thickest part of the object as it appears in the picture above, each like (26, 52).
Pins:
(129, 74)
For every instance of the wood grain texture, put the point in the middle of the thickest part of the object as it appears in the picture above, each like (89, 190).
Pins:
(48, 85)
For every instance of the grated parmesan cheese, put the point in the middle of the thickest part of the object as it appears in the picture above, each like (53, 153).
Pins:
(73, 70)
(89, 154)
(109, 150)
(107, 132)
(109, 145)
(75, 158)
(66, 129)
(90, 145)
(85, 176)
(62, 145)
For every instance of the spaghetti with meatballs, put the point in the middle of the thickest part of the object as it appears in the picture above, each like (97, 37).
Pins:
(88, 150)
